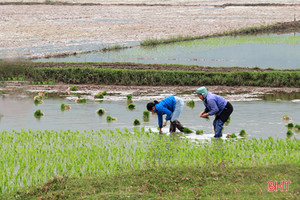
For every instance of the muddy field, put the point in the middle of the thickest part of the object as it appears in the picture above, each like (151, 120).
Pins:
(43, 30)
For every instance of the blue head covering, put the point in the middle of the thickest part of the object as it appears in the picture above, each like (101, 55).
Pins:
(202, 91)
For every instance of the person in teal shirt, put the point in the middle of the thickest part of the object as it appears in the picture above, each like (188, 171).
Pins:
(172, 107)
(215, 105)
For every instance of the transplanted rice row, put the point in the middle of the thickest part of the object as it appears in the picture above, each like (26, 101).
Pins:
(33, 157)
(109, 76)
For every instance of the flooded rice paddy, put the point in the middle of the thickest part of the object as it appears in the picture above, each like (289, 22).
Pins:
(280, 51)
(258, 117)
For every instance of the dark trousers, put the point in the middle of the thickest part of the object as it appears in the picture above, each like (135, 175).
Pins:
(225, 113)
(221, 119)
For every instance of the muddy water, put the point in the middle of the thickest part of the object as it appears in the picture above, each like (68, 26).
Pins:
(258, 117)
(265, 51)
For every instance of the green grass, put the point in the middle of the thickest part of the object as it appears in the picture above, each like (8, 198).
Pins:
(185, 182)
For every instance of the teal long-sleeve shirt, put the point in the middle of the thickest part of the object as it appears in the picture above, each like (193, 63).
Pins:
(165, 106)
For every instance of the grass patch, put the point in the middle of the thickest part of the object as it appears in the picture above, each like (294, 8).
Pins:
(185, 182)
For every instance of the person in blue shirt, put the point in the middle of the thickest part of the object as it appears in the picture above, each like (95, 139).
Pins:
(215, 105)
(172, 107)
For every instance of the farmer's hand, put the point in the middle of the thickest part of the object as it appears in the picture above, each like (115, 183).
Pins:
(204, 114)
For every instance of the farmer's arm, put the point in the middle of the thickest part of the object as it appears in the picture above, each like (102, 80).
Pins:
(159, 116)
(168, 112)
(214, 107)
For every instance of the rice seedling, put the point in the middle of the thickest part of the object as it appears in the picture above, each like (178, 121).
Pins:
(136, 122)
(64, 107)
(129, 97)
(80, 100)
(199, 132)
(91, 75)
(110, 118)
(186, 130)
(131, 106)
(146, 116)
(297, 127)
(38, 100)
(290, 125)
(191, 104)
(31, 158)
(289, 133)
(233, 135)
(74, 88)
(99, 96)
(286, 118)
(146, 113)
(38, 114)
(243, 133)
(100, 111)
(104, 92)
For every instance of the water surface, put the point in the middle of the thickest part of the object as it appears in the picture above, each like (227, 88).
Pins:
(264, 51)
(259, 118)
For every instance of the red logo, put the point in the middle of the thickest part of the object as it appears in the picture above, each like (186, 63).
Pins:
(273, 185)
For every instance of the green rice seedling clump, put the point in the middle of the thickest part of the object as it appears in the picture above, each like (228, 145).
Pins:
(297, 127)
(289, 133)
(131, 106)
(136, 122)
(81, 100)
(186, 130)
(146, 116)
(104, 92)
(285, 117)
(99, 96)
(243, 133)
(129, 97)
(37, 101)
(146, 113)
(199, 132)
(100, 111)
(74, 88)
(290, 125)
(64, 107)
(38, 113)
(191, 104)
(110, 118)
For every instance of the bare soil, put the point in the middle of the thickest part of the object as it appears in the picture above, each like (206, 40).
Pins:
(39, 30)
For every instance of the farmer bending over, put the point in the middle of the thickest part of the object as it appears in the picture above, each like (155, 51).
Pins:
(172, 107)
(215, 105)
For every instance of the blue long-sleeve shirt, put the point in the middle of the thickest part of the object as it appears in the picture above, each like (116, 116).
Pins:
(165, 106)
(214, 104)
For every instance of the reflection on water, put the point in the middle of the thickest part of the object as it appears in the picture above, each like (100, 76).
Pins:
(258, 118)
(274, 51)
